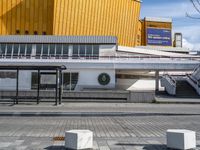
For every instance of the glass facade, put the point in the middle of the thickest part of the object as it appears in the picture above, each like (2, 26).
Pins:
(49, 50)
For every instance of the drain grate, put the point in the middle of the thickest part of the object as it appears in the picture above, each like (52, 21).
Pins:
(59, 138)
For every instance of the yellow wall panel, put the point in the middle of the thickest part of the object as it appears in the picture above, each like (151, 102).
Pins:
(72, 17)
(98, 17)
(26, 15)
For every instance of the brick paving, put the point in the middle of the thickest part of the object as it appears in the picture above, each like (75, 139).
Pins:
(110, 133)
(144, 131)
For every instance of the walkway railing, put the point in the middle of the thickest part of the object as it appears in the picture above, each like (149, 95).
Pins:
(97, 57)
(169, 83)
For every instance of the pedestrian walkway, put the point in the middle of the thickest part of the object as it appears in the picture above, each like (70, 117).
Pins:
(134, 132)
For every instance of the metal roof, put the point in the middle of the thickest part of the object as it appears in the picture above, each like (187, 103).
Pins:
(58, 39)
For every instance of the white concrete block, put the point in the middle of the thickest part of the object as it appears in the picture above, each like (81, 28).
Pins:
(79, 139)
(181, 139)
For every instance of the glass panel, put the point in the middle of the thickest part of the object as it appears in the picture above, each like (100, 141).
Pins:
(9, 49)
(96, 50)
(29, 50)
(52, 50)
(58, 49)
(34, 80)
(45, 50)
(65, 50)
(16, 50)
(3, 49)
(74, 80)
(22, 49)
(66, 81)
(82, 51)
(75, 51)
(88, 50)
(38, 49)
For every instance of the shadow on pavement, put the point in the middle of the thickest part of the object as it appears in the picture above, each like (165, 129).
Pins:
(55, 148)
(146, 146)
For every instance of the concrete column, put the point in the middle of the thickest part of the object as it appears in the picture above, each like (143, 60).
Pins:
(157, 80)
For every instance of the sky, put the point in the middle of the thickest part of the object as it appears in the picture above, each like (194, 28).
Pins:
(176, 9)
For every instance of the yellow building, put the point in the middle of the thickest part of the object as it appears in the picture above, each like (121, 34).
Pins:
(73, 17)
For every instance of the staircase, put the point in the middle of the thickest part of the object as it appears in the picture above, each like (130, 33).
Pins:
(185, 90)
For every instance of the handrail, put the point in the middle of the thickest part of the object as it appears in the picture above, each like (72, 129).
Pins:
(172, 79)
(59, 56)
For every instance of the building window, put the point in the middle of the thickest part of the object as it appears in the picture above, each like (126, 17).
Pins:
(96, 51)
(9, 50)
(38, 49)
(75, 51)
(16, 50)
(88, 51)
(70, 81)
(65, 50)
(82, 51)
(52, 50)
(10, 75)
(29, 50)
(22, 49)
(45, 51)
(2, 49)
(44, 33)
(58, 50)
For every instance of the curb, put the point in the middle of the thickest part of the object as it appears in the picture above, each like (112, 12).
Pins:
(87, 114)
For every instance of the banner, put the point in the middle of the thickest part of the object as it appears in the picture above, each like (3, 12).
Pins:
(159, 37)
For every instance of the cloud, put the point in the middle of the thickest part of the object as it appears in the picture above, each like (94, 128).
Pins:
(171, 9)
(187, 44)
(191, 36)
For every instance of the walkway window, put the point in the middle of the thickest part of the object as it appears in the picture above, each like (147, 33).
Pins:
(52, 50)
(82, 51)
(29, 50)
(96, 50)
(9, 50)
(45, 51)
(58, 50)
(16, 50)
(38, 49)
(75, 51)
(22, 49)
(2, 49)
(65, 50)
(88, 51)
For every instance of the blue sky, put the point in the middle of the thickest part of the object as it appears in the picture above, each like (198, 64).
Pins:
(176, 9)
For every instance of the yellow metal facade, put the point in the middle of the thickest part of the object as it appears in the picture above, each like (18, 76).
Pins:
(72, 17)
(26, 17)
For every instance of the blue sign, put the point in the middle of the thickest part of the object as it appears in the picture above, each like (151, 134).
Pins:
(159, 37)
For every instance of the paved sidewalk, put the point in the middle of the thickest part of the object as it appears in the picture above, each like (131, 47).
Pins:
(79, 109)
(146, 130)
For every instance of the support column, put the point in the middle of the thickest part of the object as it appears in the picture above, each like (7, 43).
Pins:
(57, 78)
(17, 86)
(38, 88)
(157, 80)
(60, 87)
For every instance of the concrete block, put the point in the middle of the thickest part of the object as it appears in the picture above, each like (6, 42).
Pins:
(181, 139)
(79, 139)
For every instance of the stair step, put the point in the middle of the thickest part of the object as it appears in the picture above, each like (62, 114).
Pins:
(184, 89)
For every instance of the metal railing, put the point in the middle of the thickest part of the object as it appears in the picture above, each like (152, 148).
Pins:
(95, 57)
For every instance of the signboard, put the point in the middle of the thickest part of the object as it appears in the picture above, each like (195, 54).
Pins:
(159, 37)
